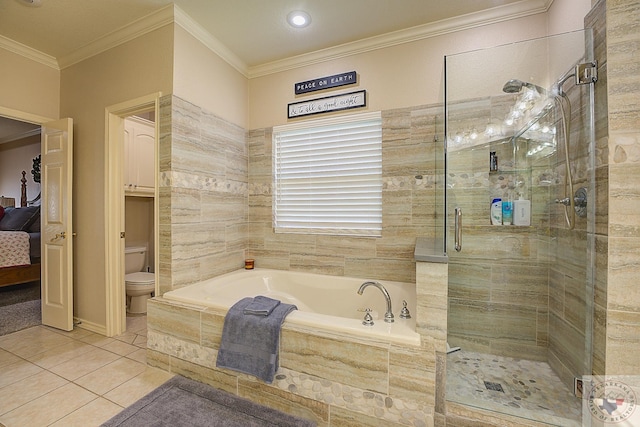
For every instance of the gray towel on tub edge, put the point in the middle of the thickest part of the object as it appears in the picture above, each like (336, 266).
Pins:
(250, 343)
(261, 306)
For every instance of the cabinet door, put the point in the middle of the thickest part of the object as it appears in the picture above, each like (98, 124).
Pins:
(139, 149)
(143, 152)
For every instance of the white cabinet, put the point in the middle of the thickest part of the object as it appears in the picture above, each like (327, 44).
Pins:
(139, 148)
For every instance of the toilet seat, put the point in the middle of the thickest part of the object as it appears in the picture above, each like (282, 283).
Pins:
(140, 278)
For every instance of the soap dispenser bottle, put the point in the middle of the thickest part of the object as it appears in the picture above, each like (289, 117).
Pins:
(522, 212)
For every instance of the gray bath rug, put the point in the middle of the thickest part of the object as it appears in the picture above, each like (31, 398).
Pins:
(20, 316)
(184, 402)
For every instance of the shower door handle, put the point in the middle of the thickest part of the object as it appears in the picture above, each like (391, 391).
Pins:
(458, 229)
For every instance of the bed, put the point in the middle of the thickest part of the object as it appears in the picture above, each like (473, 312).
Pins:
(19, 243)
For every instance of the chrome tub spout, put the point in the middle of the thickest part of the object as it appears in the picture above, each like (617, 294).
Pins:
(388, 316)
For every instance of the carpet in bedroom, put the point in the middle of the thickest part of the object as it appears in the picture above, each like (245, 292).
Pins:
(184, 402)
(19, 307)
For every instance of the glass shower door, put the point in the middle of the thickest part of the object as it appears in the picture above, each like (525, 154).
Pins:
(519, 140)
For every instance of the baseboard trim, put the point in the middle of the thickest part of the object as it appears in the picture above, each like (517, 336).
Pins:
(90, 326)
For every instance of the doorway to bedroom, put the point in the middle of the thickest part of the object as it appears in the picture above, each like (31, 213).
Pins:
(20, 293)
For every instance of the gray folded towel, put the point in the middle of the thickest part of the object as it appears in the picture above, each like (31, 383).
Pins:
(261, 306)
(250, 344)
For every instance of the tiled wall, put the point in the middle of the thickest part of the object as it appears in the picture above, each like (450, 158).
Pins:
(409, 161)
(203, 194)
(498, 283)
(570, 284)
(621, 239)
(331, 378)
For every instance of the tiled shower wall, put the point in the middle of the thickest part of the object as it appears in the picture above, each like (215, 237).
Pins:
(498, 283)
(409, 162)
(203, 194)
(570, 294)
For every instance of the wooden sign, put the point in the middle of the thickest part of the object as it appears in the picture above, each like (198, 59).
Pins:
(327, 104)
(337, 80)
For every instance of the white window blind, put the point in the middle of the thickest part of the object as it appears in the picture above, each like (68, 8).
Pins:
(328, 176)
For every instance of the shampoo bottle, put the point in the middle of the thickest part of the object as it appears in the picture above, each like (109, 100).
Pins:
(522, 212)
(496, 212)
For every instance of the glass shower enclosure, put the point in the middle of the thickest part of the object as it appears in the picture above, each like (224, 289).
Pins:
(519, 199)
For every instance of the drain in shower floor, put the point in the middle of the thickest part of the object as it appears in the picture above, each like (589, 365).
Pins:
(493, 386)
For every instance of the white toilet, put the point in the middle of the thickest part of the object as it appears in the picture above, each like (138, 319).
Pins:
(139, 284)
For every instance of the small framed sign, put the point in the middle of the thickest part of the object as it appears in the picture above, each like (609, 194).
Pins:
(336, 80)
(327, 104)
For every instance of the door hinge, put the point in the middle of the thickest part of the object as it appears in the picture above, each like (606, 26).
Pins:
(586, 73)
(122, 234)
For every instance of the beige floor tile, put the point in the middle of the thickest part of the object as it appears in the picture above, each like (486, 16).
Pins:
(28, 389)
(110, 376)
(7, 358)
(120, 348)
(49, 408)
(97, 340)
(139, 355)
(136, 324)
(60, 354)
(141, 341)
(17, 371)
(127, 337)
(32, 341)
(92, 414)
(76, 333)
(137, 387)
(84, 364)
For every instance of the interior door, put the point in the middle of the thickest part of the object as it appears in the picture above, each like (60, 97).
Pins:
(57, 233)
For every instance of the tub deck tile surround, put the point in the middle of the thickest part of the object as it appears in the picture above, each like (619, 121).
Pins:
(350, 378)
(412, 371)
(352, 363)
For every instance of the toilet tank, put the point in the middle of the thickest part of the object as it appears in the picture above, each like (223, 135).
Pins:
(135, 258)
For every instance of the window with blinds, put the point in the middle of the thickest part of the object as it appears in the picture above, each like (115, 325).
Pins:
(328, 176)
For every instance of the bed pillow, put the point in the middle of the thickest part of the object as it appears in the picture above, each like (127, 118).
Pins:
(1, 212)
(19, 219)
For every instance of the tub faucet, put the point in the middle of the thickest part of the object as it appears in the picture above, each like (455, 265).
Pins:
(388, 316)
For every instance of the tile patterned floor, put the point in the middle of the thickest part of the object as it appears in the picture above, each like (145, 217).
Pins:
(55, 378)
(516, 387)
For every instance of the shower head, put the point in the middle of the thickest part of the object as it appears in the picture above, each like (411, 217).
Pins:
(515, 86)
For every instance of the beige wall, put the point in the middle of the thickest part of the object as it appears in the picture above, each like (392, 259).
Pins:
(29, 86)
(136, 68)
(204, 79)
(15, 157)
(410, 74)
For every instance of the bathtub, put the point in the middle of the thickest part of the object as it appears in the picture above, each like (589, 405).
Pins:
(325, 303)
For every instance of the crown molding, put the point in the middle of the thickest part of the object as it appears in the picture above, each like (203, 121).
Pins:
(129, 32)
(464, 22)
(19, 136)
(215, 45)
(29, 53)
(173, 14)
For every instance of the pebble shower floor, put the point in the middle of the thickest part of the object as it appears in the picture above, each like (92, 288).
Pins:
(522, 388)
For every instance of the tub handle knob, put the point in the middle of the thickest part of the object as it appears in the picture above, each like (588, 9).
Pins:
(404, 313)
(368, 320)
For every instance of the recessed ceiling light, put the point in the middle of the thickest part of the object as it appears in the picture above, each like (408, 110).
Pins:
(298, 19)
